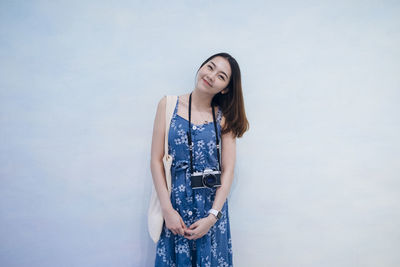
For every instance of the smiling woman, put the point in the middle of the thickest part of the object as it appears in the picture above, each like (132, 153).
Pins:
(202, 142)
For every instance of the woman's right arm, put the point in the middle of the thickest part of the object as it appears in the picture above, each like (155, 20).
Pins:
(172, 218)
(157, 154)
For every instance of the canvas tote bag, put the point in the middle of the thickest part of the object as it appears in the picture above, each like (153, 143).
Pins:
(155, 218)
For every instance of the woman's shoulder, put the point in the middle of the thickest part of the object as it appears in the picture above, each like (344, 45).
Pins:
(162, 102)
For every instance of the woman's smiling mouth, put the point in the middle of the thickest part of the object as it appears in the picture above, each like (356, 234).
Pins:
(206, 82)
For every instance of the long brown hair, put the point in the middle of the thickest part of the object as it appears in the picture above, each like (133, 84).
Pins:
(231, 103)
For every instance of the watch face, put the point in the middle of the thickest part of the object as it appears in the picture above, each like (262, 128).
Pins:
(219, 215)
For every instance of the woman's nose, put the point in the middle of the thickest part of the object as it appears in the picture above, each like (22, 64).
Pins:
(211, 76)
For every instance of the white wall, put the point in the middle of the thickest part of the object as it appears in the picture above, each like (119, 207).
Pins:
(317, 176)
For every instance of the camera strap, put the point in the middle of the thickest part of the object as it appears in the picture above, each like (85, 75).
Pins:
(190, 135)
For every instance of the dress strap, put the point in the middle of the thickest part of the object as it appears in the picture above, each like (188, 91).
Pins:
(176, 108)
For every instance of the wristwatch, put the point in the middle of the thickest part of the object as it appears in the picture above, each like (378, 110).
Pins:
(216, 213)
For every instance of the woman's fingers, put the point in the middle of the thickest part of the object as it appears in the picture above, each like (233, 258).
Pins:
(178, 230)
(176, 224)
(182, 223)
(193, 235)
(183, 227)
(190, 234)
(181, 231)
(194, 225)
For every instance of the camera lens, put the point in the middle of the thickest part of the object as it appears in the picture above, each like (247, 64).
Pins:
(209, 180)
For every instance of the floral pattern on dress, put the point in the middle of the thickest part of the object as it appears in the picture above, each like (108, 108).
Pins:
(214, 249)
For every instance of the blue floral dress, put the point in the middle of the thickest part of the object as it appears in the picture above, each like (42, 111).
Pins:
(215, 247)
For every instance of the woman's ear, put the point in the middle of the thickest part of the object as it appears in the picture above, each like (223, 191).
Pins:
(224, 91)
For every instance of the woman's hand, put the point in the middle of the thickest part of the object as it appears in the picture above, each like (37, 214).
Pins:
(174, 222)
(200, 228)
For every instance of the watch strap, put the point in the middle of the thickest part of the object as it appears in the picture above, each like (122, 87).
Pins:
(216, 213)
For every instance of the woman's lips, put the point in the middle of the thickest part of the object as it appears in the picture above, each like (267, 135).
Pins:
(206, 82)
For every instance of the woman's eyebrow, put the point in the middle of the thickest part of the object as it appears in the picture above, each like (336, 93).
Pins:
(221, 71)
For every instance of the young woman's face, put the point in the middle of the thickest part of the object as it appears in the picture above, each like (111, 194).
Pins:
(214, 76)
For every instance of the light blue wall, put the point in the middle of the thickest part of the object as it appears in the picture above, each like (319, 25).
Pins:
(317, 176)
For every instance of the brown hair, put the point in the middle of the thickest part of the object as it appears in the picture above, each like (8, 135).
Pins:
(231, 103)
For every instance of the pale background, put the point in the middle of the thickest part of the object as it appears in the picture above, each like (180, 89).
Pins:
(317, 176)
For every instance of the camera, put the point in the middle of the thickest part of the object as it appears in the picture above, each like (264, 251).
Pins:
(207, 178)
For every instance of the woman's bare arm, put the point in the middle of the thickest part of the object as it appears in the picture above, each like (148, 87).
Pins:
(157, 154)
(172, 218)
(228, 158)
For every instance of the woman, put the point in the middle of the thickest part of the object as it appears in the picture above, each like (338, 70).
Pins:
(196, 230)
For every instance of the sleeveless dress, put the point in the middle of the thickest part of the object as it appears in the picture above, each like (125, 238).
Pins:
(215, 247)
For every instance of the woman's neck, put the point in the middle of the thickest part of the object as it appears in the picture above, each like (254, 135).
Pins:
(201, 102)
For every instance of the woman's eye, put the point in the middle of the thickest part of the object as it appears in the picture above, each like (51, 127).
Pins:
(209, 66)
(222, 77)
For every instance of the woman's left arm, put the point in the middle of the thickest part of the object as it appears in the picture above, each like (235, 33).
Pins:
(228, 158)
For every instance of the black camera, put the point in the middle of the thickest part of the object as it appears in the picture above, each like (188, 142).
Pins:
(207, 178)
